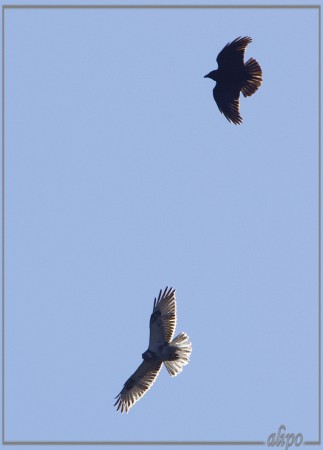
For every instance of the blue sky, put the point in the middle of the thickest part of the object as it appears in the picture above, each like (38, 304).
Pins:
(122, 177)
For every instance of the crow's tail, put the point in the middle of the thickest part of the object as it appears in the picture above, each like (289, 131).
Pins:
(254, 77)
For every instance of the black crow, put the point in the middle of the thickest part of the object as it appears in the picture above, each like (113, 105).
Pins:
(233, 76)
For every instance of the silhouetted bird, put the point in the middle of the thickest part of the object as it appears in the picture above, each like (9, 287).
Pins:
(174, 353)
(233, 76)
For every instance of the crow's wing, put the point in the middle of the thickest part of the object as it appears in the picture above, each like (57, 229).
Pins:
(233, 53)
(137, 385)
(227, 100)
(163, 319)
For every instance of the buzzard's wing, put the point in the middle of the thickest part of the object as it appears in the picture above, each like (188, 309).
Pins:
(137, 385)
(163, 319)
(227, 100)
(233, 53)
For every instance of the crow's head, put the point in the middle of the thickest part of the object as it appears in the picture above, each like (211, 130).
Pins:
(213, 75)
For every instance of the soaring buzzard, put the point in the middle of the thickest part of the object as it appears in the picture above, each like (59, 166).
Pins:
(233, 76)
(162, 349)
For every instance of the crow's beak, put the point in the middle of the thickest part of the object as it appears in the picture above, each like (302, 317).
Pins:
(206, 76)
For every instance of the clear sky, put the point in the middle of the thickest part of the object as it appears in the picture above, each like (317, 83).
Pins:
(122, 177)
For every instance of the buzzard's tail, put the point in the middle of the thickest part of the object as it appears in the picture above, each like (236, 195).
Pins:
(181, 349)
(254, 80)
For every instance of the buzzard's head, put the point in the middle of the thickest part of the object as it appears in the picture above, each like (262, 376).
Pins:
(149, 356)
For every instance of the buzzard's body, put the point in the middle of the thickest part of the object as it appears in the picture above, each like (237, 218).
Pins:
(234, 76)
(162, 349)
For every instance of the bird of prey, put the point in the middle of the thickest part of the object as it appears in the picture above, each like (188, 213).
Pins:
(162, 349)
(233, 76)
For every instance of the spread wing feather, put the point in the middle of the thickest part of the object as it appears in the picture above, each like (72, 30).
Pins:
(137, 385)
(163, 319)
(228, 102)
(233, 53)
